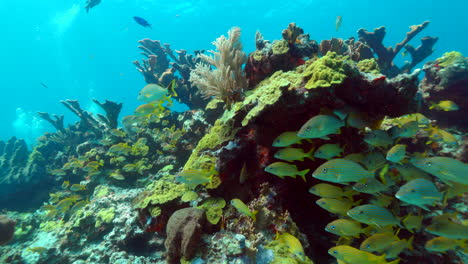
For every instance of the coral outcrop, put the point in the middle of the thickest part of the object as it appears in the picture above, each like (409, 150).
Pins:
(7, 229)
(184, 230)
(446, 79)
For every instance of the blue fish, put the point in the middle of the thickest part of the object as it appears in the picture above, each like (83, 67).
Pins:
(142, 21)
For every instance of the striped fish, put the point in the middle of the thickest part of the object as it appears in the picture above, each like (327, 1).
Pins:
(447, 169)
(373, 215)
(341, 171)
(419, 192)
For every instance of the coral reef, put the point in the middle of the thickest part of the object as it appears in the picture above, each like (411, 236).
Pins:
(221, 185)
(155, 69)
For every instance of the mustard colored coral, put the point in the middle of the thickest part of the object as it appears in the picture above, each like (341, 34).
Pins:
(326, 71)
(269, 91)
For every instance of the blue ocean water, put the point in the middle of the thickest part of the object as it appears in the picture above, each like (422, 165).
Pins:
(53, 50)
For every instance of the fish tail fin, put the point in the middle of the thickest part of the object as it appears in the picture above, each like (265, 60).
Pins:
(349, 194)
(396, 261)
(310, 154)
(367, 230)
(254, 215)
(410, 243)
(303, 174)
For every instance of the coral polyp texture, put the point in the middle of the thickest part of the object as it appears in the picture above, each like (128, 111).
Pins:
(296, 153)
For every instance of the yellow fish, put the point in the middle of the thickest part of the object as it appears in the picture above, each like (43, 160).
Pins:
(294, 246)
(282, 169)
(446, 169)
(370, 185)
(339, 20)
(396, 247)
(442, 226)
(286, 139)
(356, 157)
(413, 223)
(58, 172)
(77, 187)
(374, 160)
(341, 171)
(446, 105)
(335, 205)
(441, 136)
(38, 250)
(419, 192)
(64, 204)
(373, 215)
(328, 151)
(146, 109)
(326, 190)
(353, 255)
(152, 93)
(378, 138)
(65, 184)
(77, 206)
(244, 209)
(378, 242)
(345, 228)
(195, 177)
(292, 154)
(407, 130)
(320, 126)
(396, 153)
(443, 244)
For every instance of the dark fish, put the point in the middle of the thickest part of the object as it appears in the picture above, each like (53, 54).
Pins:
(91, 3)
(142, 21)
(44, 85)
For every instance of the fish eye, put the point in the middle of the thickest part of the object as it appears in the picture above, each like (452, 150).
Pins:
(332, 227)
(368, 246)
(365, 185)
(429, 164)
(413, 190)
(361, 212)
(335, 252)
(325, 170)
(322, 202)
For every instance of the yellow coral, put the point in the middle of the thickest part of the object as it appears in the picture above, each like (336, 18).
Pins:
(326, 71)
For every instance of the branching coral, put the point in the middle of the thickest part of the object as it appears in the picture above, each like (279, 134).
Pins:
(387, 54)
(227, 80)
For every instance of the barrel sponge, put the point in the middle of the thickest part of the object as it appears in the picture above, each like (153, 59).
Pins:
(7, 229)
